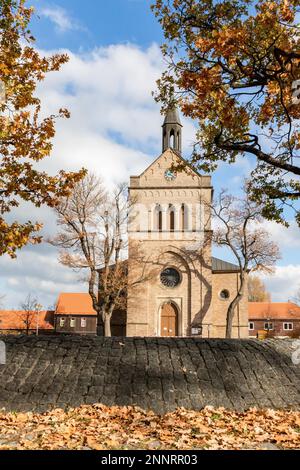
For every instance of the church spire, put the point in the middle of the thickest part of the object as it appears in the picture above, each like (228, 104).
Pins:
(172, 130)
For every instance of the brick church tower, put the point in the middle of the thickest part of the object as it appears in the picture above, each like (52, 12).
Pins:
(170, 288)
(169, 233)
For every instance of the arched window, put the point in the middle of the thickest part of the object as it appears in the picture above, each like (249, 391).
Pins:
(183, 217)
(158, 218)
(172, 139)
(165, 143)
(172, 220)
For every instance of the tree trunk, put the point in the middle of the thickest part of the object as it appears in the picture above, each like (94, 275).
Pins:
(99, 329)
(103, 324)
(107, 328)
(233, 305)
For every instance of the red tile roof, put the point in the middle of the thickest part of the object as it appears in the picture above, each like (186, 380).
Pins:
(274, 310)
(75, 304)
(14, 320)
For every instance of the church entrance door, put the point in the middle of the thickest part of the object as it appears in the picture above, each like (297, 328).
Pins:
(169, 320)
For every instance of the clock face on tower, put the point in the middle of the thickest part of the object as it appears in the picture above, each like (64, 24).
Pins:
(170, 175)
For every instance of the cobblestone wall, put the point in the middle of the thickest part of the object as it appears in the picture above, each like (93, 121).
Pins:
(160, 374)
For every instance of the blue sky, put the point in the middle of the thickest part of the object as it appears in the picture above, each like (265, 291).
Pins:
(99, 22)
(115, 128)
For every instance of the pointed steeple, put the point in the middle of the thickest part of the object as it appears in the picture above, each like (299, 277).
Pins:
(172, 131)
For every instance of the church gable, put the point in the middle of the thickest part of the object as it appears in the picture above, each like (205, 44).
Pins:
(161, 174)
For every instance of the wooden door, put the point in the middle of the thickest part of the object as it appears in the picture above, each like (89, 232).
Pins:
(169, 320)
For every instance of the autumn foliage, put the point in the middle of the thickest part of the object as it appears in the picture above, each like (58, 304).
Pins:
(257, 290)
(233, 67)
(25, 138)
(99, 427)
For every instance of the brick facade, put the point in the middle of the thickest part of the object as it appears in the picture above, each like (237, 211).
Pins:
(87, 325)
(275, 318)
(230, 282)
(181, 243)
(275, 327)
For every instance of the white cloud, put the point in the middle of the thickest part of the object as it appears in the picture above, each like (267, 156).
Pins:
(284, 283)
(61, 19)
(114, 130)
(286, 238)
(36, 271)
(115, 125)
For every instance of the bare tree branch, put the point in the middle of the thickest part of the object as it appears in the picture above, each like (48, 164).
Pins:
(93, 237)
(28, 315)
(239, 229)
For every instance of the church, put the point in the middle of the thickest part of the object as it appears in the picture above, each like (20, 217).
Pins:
(175, 286)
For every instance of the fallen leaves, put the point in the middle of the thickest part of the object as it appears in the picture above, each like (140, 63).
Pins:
(99, 427)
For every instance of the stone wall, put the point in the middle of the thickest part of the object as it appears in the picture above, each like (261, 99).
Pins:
(157, 373)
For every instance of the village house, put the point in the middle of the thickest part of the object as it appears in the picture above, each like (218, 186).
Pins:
(75, 314)
(21, 321)
(280, 319)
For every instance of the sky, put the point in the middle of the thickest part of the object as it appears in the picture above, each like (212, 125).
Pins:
(114, 131)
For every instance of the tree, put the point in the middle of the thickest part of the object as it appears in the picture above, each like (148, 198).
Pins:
(238, 229)
(257, 290)
(28, 315)
(25, 139)
(93, 238)
(234, 67)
